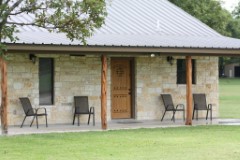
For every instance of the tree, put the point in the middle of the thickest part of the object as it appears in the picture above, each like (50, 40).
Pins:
(209, 12)
(236, 11)
(76, 18)
(234, 27)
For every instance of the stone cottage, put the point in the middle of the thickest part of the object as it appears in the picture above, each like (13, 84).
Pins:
(145, 44)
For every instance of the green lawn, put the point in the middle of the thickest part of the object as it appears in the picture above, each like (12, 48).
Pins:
(198, 143)
(229, 98)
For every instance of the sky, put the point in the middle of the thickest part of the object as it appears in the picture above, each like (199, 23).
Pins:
(229, 4)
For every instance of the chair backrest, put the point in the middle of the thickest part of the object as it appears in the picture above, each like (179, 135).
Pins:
(200, 101)
(26, 104)
(167, 101)
(81, 104)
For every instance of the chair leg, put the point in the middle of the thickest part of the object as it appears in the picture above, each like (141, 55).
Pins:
(32, 121)
(207, 114)
(94, 118)
(183, 115)
(211, 114)
(173, 117)
(37, 120)
(163, 115)
(46, 120)
(197, 114)
(23, 121)
(89, 116)
(73, 119)
(193, 114)
(78, 120)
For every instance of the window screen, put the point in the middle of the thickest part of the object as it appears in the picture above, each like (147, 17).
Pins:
(46, 76)
(181, 71)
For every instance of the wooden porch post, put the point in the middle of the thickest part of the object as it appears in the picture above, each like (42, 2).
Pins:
(104, 93)
(189, 90)
(4, 104)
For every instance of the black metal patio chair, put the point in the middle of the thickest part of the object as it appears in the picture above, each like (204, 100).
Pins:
(169, 106)
(29, 111)
(82, 107)
(200, 103)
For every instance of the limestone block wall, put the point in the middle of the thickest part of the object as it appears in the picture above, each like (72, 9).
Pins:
(82, 76)
(22, 81)
(155, 76)
(73, 76)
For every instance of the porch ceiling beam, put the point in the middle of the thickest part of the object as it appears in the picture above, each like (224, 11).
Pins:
(75, 49)
(189, 90)
(104, 93)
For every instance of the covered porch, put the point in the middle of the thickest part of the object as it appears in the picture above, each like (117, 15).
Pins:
(154, 75)
(141, 39)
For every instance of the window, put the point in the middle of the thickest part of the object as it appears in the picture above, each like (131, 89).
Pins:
(181, 71)
(46, 81)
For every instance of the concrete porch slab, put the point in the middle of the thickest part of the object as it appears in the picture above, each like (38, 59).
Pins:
(112, 125)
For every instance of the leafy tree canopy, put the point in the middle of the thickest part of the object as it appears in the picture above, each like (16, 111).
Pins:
(76, 18)
(209, 12)
(236, 11)
(234, 25)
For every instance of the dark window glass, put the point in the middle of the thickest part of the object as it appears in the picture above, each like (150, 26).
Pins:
(181, 71)
(46, 81)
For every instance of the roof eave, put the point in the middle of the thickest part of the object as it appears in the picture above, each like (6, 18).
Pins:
(133, 50)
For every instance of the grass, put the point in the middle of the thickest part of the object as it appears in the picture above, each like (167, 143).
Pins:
(198, 143)
(229, 98)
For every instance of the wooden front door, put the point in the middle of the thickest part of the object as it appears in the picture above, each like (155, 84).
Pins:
(121, 88)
